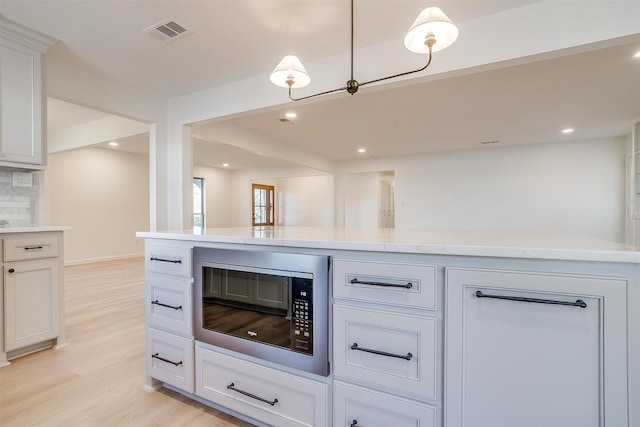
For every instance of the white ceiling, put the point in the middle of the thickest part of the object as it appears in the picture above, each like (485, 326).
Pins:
(232, 39)
(595, 92)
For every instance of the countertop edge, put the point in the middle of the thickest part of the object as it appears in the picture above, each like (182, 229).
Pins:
(480, 250)
(35, 229)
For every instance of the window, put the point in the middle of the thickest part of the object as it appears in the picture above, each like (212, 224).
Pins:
(263, 209)
(198, 205)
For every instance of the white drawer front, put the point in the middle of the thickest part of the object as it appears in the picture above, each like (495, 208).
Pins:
(170, 359)
(169, 304)
(357, 406)
(165, 259)
(406, 285)
(412, 337)
(33, 246)
(278, 398)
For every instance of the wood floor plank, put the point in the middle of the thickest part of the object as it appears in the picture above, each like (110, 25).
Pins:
(97, 380)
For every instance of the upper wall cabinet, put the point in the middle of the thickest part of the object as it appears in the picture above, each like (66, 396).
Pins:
(22, 96)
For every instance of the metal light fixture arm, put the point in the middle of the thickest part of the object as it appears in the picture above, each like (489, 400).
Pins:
(352, 84)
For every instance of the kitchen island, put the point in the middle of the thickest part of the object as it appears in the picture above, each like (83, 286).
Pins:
(32, 290)
(521, 329)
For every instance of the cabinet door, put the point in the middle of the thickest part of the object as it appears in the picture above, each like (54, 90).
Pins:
(20, 105)
(30, 303)
(528, 349)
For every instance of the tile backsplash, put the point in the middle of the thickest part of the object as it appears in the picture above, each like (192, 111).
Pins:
(19, 204)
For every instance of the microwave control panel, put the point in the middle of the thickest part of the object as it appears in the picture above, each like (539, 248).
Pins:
(302, 319)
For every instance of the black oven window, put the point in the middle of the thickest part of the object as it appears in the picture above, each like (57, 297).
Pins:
(271, 309)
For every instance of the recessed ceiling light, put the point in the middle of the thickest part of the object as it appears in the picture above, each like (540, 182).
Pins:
(291, 115)
(113, 144)
(567, 130)
(637, 55)
(225, 165)
(362, 150)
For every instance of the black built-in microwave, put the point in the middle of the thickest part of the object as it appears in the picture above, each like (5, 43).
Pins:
(269, 305)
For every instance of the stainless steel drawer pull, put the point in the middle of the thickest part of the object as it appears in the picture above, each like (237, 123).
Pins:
(355, 281)
(578, 303)
(31, 248)
(253, 396)
(354, 346)
(165, 305)
(155, 356)
(354, 423)
(175, 261)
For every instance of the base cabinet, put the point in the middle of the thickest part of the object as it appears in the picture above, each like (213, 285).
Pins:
(270, 396)
(355, 406)
(530, 350)
(170, 359)
(32, 293)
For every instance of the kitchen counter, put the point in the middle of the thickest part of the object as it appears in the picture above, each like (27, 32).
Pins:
(439, 318)
(550, 246)
(34, 229)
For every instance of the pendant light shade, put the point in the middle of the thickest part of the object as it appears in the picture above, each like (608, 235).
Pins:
(432, 31)
(290, 73)
(431, 23)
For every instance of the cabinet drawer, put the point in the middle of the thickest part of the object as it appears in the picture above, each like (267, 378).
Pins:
(407, 285)
(30, 247)
(169, 304)
(165, 259)
(357, 406)
(389, 350)
(265, 394)
(170, 359)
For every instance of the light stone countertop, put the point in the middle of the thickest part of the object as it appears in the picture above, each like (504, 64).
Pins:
(530, 245)
(35, 229)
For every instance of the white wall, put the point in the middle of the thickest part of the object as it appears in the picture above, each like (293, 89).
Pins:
(361, 191)
(573, 187)
(303, 198)
(305, 201)
(217, 184)
(104, 196)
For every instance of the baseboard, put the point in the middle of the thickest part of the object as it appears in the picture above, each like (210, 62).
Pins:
(102, 259)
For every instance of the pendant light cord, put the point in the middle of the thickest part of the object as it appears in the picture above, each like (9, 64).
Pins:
(351, 39)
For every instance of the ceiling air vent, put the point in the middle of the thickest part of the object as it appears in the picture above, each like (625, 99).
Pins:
(168, 30)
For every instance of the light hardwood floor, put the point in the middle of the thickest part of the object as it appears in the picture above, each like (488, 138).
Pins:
(97, 380)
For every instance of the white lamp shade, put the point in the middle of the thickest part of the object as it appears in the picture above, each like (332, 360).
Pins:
(431, 21)
(290, 68)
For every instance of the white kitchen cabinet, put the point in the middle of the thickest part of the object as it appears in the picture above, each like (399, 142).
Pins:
(169, 304)
(170, 359)
(532, 349)
(387, 344)
(169, 319)
(32, 293)
(22, 96)
(361, 407)
(388, 350)
(274, 397)
(31, 303)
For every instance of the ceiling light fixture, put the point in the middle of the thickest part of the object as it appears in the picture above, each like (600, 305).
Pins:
(637, 55)
(432, 31)
(113, 144)
(567, 130)
(225, 165)
(362, 150)
(291, 115)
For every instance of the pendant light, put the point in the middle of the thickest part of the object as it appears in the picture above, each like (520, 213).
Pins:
(432, 31)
